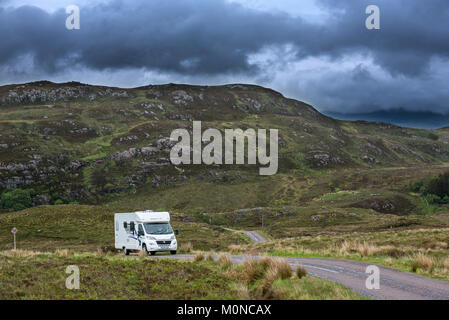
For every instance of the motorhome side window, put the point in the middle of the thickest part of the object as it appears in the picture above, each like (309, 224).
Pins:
(141, 229)
(128, 226)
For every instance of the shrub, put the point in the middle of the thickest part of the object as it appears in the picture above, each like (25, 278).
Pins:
(432, 198)
(445, 199)
(417, 185)
(16, 200)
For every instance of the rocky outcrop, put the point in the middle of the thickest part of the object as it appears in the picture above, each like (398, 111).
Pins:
(181, 98)
(24, 95)
(38, 93)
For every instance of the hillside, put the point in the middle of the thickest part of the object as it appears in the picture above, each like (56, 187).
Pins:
(73, 142)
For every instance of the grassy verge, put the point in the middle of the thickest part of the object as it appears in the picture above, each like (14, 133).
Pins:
(40, 275)
(422, 251)
(87, 228)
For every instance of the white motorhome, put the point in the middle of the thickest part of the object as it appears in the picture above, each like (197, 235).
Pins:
(144, 231)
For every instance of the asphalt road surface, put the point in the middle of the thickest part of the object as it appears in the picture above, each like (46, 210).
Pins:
(255, 236)
(394, 284)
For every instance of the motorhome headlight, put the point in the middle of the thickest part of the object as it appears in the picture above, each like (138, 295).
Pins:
(172, 237)
(151, 238)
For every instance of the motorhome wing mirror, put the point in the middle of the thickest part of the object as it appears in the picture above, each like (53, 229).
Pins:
(141, 233)
(176, 232)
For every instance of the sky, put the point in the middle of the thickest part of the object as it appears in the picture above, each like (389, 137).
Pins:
(317, 51)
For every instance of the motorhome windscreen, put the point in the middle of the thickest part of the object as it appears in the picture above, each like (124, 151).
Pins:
(158, 228)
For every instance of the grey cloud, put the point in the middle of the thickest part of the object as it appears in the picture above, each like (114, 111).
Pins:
(412, 32)
(193, 36)
(210, 37)
(213, 38)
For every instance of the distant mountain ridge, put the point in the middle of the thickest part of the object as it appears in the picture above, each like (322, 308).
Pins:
(400, 117)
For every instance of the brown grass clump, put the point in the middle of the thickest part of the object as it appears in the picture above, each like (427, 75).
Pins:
(365, 249)
(186, 247)
(62, 252)
(21, 253)
(265, 262)
(267, 269)
(445, 263)
(252, 271)
(242, 291)
(225, 260)
(209, 257)
(233, 248)
(280, 268)
(345, 247)
(391, 251)
(424, 262)
(265, 290)
(198, 257)
(301, 272)
(143, 253)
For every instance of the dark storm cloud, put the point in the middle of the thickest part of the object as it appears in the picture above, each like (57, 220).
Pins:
(412, 32)
(200, 38)
(204, 36)
(196, 36)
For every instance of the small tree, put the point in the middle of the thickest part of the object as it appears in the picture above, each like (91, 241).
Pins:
(16, 200)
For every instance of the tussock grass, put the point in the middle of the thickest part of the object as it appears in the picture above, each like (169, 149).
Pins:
(366, 249)
(242, 291)
(62, 252)
(280, 268)
(445, 263)
(41, 276)
(252, 270)
(186, 247)
(301, 272)
(424, 262)
(22, 253)
(224, 260)
(394, 249)
(233, 248)
(142, 254)
(198, 257)
(269, 278)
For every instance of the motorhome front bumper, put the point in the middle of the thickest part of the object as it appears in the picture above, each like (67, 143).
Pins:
(159, 245)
